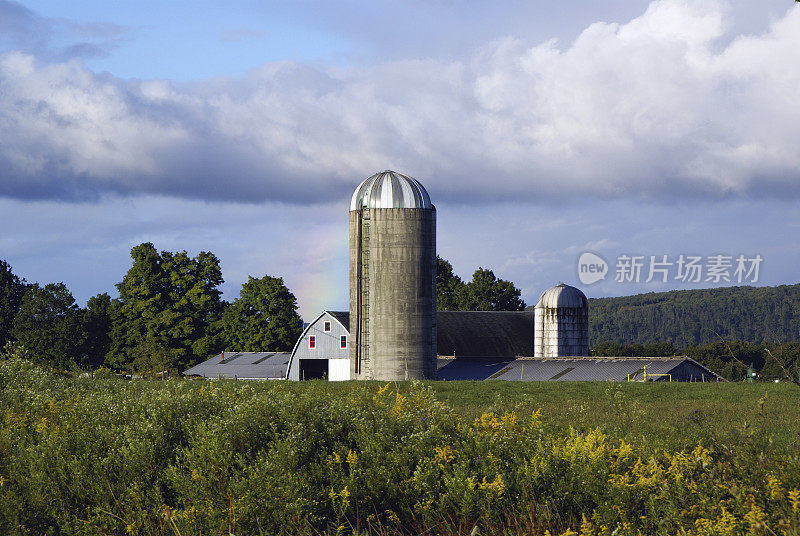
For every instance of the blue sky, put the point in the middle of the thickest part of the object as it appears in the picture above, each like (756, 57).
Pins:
(541, 130)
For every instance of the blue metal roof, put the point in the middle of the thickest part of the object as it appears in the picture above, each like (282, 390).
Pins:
(243, 365)
(575, 369)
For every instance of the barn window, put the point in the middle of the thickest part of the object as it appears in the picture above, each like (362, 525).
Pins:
(327, 326)
(343, 341)
(312, 342)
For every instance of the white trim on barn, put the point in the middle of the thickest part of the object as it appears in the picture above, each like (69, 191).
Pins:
(327, 359)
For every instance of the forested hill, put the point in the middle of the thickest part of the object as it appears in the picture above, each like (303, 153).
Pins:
(691, 317)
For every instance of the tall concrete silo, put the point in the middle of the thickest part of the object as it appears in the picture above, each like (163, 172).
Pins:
(392, 280)
(561, 323)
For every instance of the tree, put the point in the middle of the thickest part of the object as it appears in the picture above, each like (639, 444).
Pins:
(49, 326)
(448, 286)
(484, 293)
(12, 288)
(97, 318)
(488, 293)
(263, 318)
(167, 301)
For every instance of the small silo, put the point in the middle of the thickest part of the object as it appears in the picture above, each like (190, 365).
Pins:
(561, 323)
(392, 280)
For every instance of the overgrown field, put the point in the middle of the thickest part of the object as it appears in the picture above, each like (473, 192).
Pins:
(105, 456)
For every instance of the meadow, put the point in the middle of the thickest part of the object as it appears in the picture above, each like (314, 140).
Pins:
(177, 457)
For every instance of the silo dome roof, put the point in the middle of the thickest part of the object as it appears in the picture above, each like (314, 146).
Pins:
(390, 189)
(562, 296)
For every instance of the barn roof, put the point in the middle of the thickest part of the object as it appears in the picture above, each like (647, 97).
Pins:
(343, 317)
(574, 369)
(477, 333)
(243, 365)
(484, 333)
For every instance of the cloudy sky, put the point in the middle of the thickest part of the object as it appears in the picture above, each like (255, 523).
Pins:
(541, 130)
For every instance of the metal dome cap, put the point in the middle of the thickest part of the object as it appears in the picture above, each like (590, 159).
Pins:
(390, 189)
(562, 296)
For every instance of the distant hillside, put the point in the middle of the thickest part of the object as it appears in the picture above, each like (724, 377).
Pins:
(692, 317)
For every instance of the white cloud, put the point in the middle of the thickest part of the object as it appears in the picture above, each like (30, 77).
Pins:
(667, 104)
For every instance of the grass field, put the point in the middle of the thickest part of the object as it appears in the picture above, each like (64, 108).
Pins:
(178, 457)
(651, 415)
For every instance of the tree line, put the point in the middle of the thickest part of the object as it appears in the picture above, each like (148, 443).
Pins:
(169, 315)
(762, 315)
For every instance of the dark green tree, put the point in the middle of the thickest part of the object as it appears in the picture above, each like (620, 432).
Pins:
(698, 316)
(263, 318)
(49, 326)
(449, 286)
(97, 318)
(169, 310)
(12, 288)
(488, 293)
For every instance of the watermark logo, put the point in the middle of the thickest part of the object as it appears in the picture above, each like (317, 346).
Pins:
(713, 269)
(591, 268)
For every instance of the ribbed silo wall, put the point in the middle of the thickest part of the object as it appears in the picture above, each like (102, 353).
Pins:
(561, 332)
(393, 294)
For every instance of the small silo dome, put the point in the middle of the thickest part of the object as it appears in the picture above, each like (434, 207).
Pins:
(390, 189)
(562, 296)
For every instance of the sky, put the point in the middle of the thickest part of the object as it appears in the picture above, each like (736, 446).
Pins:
(645, 133)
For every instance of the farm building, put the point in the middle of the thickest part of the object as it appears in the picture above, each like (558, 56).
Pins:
(392, 279)
(323, 349)
(480, 345)
(543, 369)
(484, 333)
(397, 333)
(243, 366)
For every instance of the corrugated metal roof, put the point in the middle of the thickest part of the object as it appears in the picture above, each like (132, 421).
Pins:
(390, 189)
(562, 295)
(474, 368)
(574, 369)
(243, 365)
(484, 333)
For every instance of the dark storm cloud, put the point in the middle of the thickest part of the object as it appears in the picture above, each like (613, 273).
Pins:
(665, 106)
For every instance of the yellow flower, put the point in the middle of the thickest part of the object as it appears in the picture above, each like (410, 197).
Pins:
(443, 455)
(775, 489)
(496, 487)
(352, 458)
(587, 527)
(794, 497)
(392, 518)
(381, 392)
(423, 506)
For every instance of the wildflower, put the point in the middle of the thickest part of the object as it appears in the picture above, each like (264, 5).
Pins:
(496, 487)
(381, 392)
(392, 517)
(444, 455)
(775, 489)
(425, 506)
(341, 499)
(536, 420)
(587, 526)
(794, 497)
(352, 458)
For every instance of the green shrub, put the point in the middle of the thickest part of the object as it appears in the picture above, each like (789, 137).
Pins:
(108, 456)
